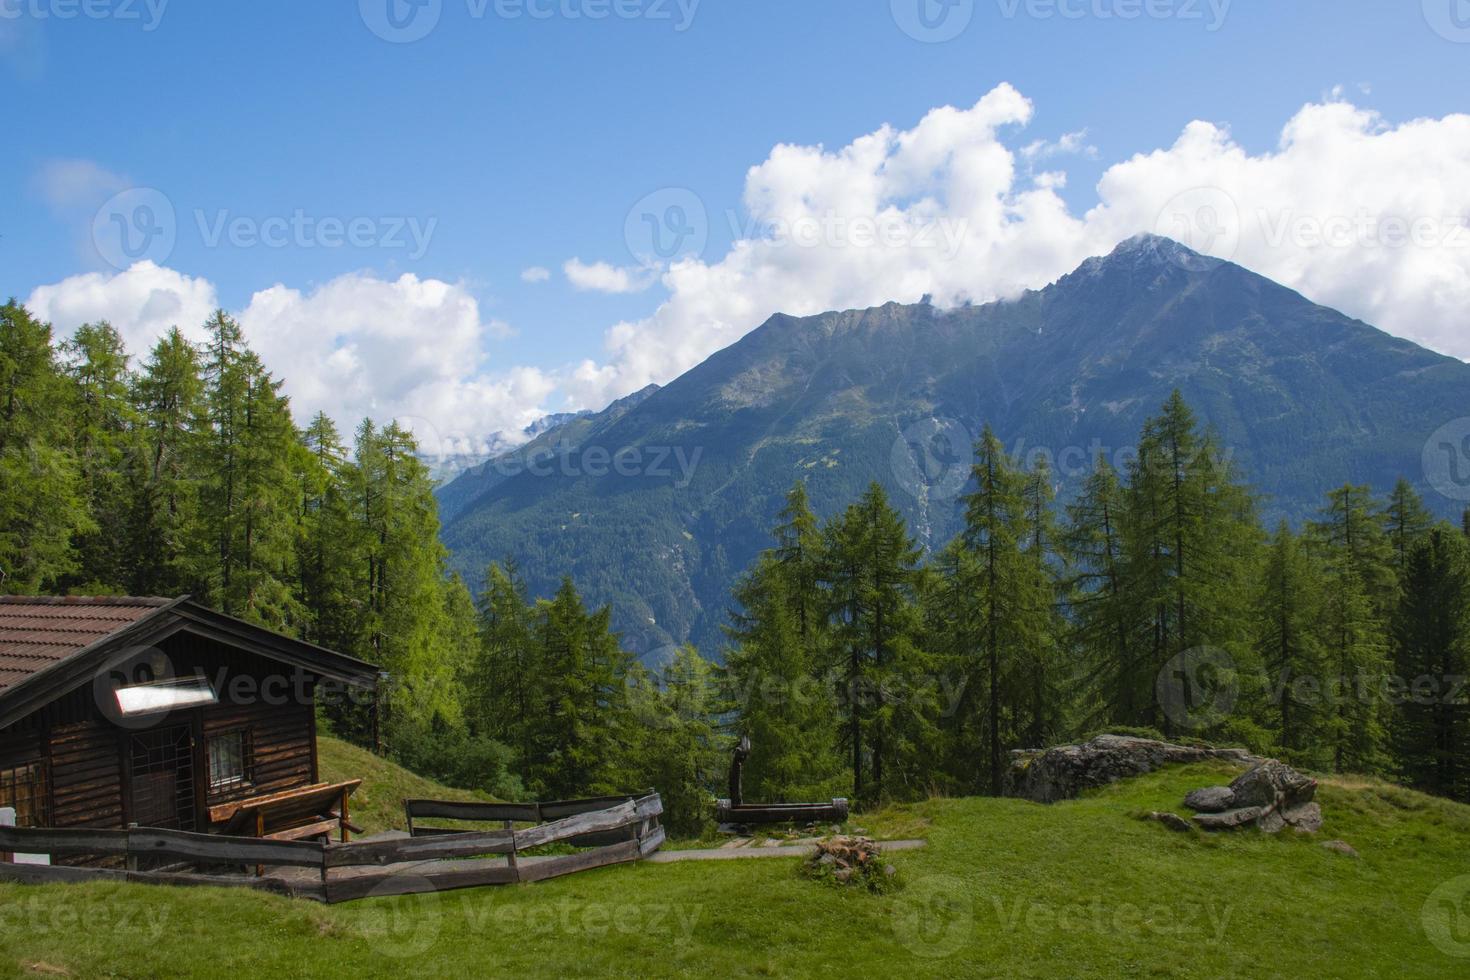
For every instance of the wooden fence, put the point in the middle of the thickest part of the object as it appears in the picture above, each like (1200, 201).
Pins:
(618, 829)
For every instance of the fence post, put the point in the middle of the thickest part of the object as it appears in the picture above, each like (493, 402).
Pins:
(7, 819)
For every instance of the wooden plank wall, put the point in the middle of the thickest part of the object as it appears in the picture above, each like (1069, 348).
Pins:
(86, 751)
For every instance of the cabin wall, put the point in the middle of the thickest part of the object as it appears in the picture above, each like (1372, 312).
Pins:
(88, 756)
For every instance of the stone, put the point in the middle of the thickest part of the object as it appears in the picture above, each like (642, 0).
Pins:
(1063, 772)
(1171, 820)
(1275, 795)
(1230, 819)
(1211, 799)
(1341, 847)
(1273, 783)
(1305, 819)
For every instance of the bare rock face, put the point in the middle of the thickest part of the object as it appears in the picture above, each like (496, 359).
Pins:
(1272, 795)
(1061, 773)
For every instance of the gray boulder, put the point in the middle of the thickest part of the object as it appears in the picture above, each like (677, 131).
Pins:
(1272, 795)
(1211, 799)
(1230, 819)
(1063, 772)
(1272, 783)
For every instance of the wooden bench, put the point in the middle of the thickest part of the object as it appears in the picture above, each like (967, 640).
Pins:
(297, 814)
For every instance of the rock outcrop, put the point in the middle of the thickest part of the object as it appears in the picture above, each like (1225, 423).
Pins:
(1272, 796)
(1063, 772)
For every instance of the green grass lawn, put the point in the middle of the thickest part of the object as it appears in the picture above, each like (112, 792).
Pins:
(378, 803)
(1005, 889)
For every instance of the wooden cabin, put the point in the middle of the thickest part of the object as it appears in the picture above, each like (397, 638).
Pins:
(162, 713)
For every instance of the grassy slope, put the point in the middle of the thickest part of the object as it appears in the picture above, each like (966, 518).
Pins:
(378, 803)
(1006, 888)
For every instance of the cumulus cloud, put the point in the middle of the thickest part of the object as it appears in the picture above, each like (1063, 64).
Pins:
(603, 277)
(1359, 214)
(1356, 212)
(142, 303)
(535, 273)
(355, 347)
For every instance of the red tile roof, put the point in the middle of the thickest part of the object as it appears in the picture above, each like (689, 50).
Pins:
(39, 631)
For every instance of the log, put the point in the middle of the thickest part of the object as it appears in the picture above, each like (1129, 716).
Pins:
(440, 847)
(207, 849)
(572, 863)
(64, 843)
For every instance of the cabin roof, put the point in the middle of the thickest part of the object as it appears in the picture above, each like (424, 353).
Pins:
(50, 645)
(39, 631)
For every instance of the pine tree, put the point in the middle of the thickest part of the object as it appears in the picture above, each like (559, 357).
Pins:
(164, 525)
(1406, 521)
(329, 544)
(43, 507)
(1431, 643)
(1287, 611)
(1192, 542)
(1001, 599)
(872, 576)
(1105, 624)
(773, 681)
(502, 686)
(1358, 587)
(103, 434)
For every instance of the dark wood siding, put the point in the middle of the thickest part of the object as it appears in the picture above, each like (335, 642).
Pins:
(86, 776)
(271, 702)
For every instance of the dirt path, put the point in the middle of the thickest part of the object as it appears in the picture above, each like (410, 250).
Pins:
(788, 850)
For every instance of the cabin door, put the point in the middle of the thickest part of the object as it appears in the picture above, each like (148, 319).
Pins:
(161, 774)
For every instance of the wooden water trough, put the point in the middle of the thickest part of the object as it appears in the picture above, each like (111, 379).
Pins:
(616, 829)
(736, 811)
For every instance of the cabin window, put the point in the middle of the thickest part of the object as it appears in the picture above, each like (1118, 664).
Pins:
(161, 697)
(229, 760)
(26, 790)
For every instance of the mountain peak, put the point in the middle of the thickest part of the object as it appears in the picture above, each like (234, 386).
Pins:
(1148, 251)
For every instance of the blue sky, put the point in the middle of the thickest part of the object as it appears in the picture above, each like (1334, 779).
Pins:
(526, 140)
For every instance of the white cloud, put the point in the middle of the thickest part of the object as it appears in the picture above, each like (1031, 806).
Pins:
(77, 183)
(535, 273)
(142, 303)
(357, 346)
(1069, 144)
(950, 208)
(602, 277)
(954, 177)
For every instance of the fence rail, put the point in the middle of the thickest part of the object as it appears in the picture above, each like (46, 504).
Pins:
(618, 829)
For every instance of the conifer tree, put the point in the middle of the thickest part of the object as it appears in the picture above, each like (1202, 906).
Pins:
(103, 432)
(43, 507)
(1359, 588)
(1406, 521)
(1431, 644)
(1000, 595)
(164, 524)
(1288, 608)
